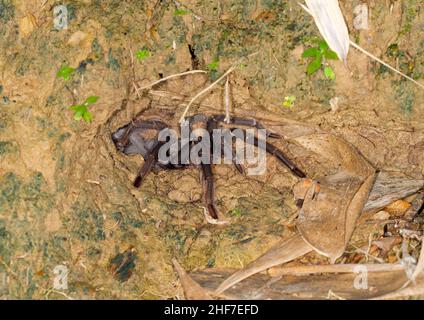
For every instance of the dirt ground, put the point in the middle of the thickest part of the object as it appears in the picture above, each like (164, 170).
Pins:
(66, 196)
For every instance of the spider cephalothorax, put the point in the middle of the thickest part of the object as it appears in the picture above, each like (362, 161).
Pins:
(143, 137)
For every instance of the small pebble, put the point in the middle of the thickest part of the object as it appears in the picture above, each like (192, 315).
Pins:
(398, 208)
(381, 215)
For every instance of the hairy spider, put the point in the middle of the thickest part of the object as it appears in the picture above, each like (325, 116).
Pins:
(141, 137)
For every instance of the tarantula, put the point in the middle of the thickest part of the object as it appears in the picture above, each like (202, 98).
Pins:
(141, 137)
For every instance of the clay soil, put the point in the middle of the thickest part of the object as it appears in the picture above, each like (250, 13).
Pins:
(66, 196)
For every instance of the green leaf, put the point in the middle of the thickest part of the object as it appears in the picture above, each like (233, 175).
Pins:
(81, 110)
(142, 54)
(78, 108)
(213, 66)
(78, 115)
(65, 72)
(310, 52)
(180, 12)
(314, 66)
(331, 55)
(329, 73)
(88, 117)
(323, 46)
(236, 212)
(289, 101)
(91, 100)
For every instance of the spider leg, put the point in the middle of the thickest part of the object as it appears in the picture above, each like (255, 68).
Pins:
(123, 139)
(149, 124)
(149, 162)
(281, 156)
(209, 189)
(239, 167)
(174, 166)
(246, 122)
(207, 173)
(213, 124)
(270, 148)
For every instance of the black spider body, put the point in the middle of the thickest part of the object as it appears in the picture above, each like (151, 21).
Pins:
(141, 137)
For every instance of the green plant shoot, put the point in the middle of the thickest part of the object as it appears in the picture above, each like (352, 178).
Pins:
(81, 111)
(289, 101)
(320, 54)
(65, 72)
(142, 54)
(213, 66)
(236, 212)
(180, 12)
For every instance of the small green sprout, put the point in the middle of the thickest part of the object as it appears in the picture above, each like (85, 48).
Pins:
(320, 53)
(81, 110)
(289, 101)
(393, 50)
(213, 66)
(180, 12)
(329, 73)
(142, 54)
(236, 212)
(65, 72)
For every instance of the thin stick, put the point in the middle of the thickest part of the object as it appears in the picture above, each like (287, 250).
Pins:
(206, 90)
(170, 77)
(367, 254)
(133, 73)
(213, 84)
(353, 44)
(227, 101)
(331, 294)
(337, 268)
